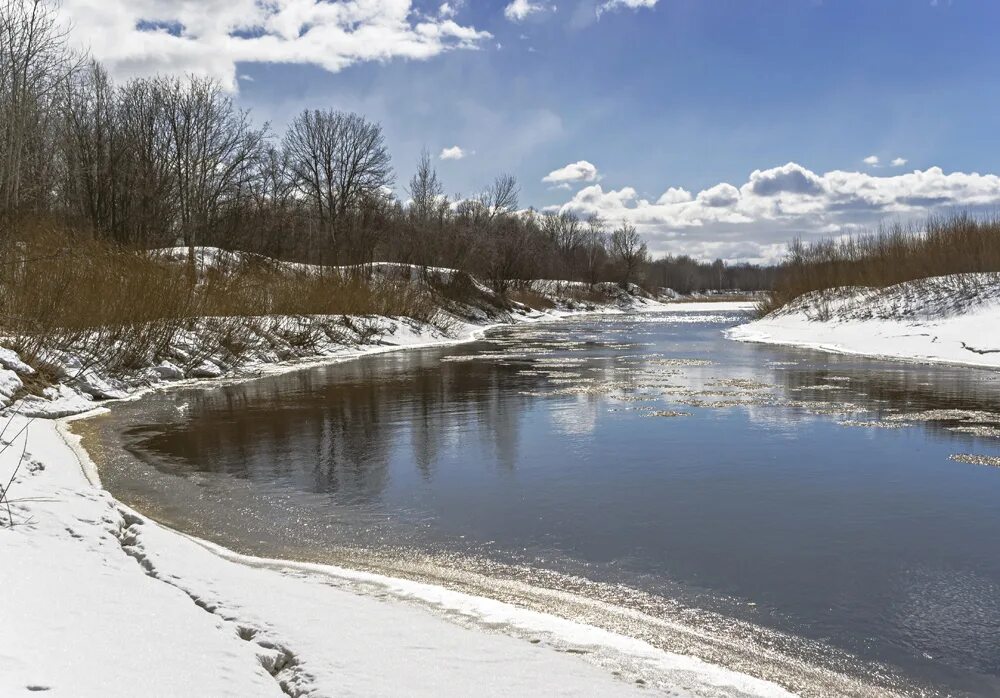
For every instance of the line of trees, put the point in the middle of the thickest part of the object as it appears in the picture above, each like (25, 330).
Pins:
(685, 274)
(169, 161)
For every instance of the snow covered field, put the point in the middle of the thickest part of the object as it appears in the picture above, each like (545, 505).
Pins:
(949, 319)
(101, 601)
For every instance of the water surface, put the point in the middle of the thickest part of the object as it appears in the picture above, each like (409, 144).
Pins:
(764, 497)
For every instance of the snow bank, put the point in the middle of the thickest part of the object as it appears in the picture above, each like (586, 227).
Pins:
(197, 353)
(102, 601)
(948, 319)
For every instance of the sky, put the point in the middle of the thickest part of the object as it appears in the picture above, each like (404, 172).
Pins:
(720, 128)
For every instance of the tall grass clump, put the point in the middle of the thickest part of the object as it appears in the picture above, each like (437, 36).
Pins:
(893, 254)
(122, 307)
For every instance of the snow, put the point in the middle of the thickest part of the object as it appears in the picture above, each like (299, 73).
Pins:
(103, 601)
(950, 319)
(85, 618)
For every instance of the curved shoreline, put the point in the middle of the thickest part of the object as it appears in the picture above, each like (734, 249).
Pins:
(618, 655)
(743, 649)
(159, 550)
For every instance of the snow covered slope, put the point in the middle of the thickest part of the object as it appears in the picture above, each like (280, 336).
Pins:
(947, 319)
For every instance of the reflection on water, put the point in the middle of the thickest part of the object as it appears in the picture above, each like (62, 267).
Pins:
(644, 460)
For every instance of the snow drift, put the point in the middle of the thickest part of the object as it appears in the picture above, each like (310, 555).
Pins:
(945, 319)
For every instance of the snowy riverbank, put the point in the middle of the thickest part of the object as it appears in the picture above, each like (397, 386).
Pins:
(949, 319)
(103, 601)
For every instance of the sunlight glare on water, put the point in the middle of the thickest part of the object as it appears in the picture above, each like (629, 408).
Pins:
(838, 511)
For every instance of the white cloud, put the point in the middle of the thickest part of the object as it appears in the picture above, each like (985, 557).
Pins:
(755, 219)
(675, 195)
(610, 5)
(453, 153)
(211, 37)
(898, 162)
(871, 160)
(449, 9)
(581, 171)
(520, 10)
(720, 196)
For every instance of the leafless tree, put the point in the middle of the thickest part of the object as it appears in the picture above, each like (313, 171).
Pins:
(567, 240)
(34, 63)
(629, 251)
(425, 190)
(92, 149)
(213, 150)
(147, 199)
(501, 197)
(511, 254)
(337, 161)
(596, 247)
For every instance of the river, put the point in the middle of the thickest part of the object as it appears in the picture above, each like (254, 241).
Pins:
(829, 522)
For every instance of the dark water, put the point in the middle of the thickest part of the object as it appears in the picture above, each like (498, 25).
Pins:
(803, 502)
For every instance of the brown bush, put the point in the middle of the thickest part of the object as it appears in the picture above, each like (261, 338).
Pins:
(891, 255)
(532, 299)
(122, 307)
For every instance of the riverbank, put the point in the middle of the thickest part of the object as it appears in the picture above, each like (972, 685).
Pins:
(948, 319)
(92, 582)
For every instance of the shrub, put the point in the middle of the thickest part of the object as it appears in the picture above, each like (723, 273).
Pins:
(891, 255)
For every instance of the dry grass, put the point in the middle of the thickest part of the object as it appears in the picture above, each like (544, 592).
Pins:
(891, 255)
(585, 296)
(123, 307)
(572, 293)
(530, 298)
(458, 292)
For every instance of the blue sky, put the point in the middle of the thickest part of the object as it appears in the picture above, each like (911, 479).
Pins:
(650, 95)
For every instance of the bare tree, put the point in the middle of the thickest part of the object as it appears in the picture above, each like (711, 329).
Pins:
(92, 149)
(146, 199)
(34, 64)
(628, 250)
(272, 210)
(425, 190)
(501, 197)
(337, 160)
(566, 239)
(213, 149)
(596, 246)
(427, 209)
(511, 253)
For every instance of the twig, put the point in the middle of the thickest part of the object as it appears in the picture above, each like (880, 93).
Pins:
(24, 449)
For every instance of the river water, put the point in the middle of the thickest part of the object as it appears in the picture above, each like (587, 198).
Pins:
(828, 522)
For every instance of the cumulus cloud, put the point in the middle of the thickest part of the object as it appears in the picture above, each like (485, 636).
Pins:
(675, 195)
(453, 153)
(754, 220)
(898, 162)
(142, 37)
(624, 4)
(871, 160)
(449, 9)
(520, 10)
(790, 178)
(581, 171)
(720, 196)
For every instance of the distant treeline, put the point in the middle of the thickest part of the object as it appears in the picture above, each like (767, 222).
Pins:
(164, 161)
(687, 275)
(893, 254)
